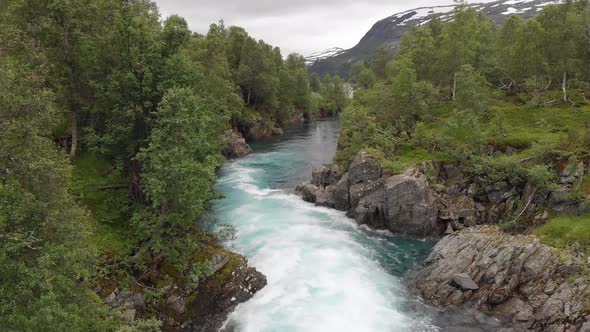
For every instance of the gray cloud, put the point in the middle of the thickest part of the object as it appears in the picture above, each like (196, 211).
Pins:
(302, 26)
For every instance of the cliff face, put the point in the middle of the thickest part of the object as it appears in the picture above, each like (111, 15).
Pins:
(389, 31)
(532, 285)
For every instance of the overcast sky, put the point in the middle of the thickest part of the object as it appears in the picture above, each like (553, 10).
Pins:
(302, 26)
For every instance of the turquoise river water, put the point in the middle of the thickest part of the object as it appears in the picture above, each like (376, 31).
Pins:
(325, 273)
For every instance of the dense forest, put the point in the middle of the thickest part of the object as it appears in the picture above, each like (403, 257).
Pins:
(111, 130)
(112, 125)
(508, 104)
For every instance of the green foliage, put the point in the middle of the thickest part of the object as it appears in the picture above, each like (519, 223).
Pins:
(179, 162)
(362, 76)
(45, 258)
(566, 231)
(471, 91)
(140, 105)
(315, 84)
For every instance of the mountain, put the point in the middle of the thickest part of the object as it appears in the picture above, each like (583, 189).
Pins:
(389, 32)
(331, 52)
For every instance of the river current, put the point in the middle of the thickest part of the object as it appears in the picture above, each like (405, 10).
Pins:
(325, 273)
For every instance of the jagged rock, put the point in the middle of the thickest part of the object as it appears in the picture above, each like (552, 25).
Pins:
(364, 168)
(263, 129)
(516, 275)
(236, 145)
(342, 194)
(459, 209)
(308, 191)
(325, 197)
(360, 190)
(516, 309)
(499, 192)
(372, 211)
(410, 206)
(464, 282)
(326, 175)
(218, 295)
(314, 194)
(197, 304)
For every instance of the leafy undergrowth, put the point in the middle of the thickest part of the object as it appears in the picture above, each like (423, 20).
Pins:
(101, 188)
(566, 231)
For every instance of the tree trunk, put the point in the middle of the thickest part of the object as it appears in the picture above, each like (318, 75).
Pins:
(248, 102)
(454, 86)
(74, 146)
(564, 86)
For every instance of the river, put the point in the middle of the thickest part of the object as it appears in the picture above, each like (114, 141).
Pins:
(325, 273)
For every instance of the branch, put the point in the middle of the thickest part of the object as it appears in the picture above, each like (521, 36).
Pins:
(113, 187)
(527, 205)
(548, 85)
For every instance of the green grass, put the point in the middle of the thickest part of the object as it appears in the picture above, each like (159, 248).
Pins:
(410, 156)
(565, 231)
(109, 208)
(525, 125)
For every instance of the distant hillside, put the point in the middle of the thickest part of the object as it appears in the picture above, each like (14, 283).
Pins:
(389, 32)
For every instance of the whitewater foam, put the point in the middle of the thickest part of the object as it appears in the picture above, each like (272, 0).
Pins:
(322, 268)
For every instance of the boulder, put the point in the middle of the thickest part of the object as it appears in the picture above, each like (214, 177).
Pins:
(371, 210)
(342, 194)
(410, 206)
(464, 282)
(326, 175)
(325, 197)
(308, 191)
(236, 146)
(364, 168)
(360, 190)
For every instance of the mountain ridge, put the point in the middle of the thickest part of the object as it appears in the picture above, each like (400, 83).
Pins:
(388, 32)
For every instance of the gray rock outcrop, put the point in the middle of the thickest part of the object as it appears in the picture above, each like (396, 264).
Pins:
(401, 203)
(236, 146)
(515, 277)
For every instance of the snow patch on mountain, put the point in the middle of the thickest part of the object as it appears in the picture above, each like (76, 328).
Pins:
(334, 51)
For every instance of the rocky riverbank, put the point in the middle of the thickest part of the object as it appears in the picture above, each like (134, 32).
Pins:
(512, 276)
(531, 285)
(435, 198)
(182, 302)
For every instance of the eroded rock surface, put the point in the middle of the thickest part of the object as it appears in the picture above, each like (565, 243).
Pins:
(516, 277)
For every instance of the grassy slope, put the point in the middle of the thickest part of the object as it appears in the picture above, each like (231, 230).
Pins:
(566, 231)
